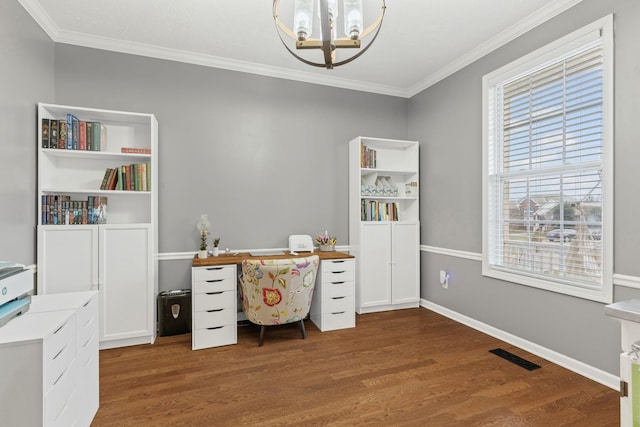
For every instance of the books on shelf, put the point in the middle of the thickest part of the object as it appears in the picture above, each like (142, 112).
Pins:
(73, 133)
(374, 210)
(133, 177)
(135, 150)
(61, 210)
(368, 158)
(45, 133)
(53, 134)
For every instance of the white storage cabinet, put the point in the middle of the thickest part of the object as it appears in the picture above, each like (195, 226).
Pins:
(214, 306)
(384, 226)
(51, 355)
(117, 258)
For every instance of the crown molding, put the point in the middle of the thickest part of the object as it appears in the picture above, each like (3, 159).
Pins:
(141, 49)
(41, 17)
(34, 8)
(527, 24)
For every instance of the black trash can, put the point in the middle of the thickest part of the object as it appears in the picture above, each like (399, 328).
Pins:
(174, 312)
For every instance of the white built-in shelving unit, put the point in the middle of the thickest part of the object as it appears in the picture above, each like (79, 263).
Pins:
(384, 226)
(118, 258)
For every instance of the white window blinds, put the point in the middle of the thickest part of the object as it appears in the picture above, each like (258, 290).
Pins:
(544, 171)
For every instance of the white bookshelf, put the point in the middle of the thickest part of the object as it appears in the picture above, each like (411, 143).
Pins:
(117, 258)
(384, 225)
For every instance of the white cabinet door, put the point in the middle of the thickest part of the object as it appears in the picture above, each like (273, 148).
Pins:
(67, 258)
(405, 264)
(375, 280)
(126, 288)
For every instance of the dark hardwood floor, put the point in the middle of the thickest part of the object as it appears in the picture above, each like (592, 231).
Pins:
(407, 367)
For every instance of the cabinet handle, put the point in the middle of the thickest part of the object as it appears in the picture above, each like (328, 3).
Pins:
(88, 341)
(216, 280)
(338, 312)
(61, 375)
(89, 361)
(59, 353)
(336, 262)
(214, 268)
(88, 322)
(338, 272)
(215, 293)
(216, 327)
(337, 297)
(214, 311)
(61, 326)
(337, 283)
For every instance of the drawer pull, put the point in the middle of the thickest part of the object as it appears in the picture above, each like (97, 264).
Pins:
(61, 326)
(60, 377)
(337, 283)
(88, 341)
(338, 272)
(89, 322)
(339, 312)
(216, 327)
(64, 408)
(216, 280)
(215, 311)
(338, 261)
(60, 352)
(89, 360)
(337, 297)
(214, 268)
(215, 293)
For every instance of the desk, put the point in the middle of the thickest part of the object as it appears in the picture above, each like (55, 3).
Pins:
(215, 304)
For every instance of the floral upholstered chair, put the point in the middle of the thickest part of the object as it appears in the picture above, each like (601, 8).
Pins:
(278, 291)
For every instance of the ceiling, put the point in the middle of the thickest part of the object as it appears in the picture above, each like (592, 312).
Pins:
(420, 43)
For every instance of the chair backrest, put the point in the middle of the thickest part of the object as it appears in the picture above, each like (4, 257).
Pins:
(278, 291)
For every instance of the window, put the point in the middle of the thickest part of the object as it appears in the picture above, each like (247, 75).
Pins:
(548, 166)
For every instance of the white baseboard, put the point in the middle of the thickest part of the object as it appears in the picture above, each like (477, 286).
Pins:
(574, 365)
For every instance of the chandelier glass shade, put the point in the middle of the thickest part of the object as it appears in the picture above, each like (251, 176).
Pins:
(315, 25)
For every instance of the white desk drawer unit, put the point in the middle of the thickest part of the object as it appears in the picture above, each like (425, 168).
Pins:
(214, 306)
(41, 350)
(333, 303)
(74, 394)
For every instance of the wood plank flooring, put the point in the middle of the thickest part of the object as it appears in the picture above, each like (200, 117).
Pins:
(408, 367)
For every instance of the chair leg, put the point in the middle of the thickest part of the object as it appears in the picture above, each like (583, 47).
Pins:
(261, 336)
(302, 331)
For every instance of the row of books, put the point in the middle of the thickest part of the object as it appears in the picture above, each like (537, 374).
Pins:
(373, 210)
(134, 177)
(367, 157)
(61, 210)
(73, 134)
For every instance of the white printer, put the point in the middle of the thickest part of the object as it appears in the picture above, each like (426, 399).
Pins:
(16, 288)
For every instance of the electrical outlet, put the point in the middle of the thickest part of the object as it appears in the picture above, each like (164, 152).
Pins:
(444, 279)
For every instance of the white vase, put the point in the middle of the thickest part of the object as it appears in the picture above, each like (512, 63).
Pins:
(216, 251)
(202, 254)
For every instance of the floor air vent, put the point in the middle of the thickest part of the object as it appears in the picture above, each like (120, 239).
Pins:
(523, 363)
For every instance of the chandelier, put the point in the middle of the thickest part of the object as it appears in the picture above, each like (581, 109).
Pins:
(327, 21)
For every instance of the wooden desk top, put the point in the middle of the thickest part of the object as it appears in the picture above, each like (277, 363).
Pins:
(227, 259)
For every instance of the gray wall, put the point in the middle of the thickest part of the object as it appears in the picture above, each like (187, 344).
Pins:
(263, 157)
(447, 119)
(266, 158)
(26, 77)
